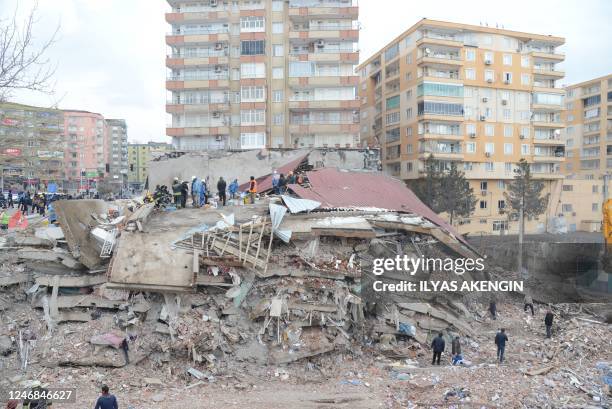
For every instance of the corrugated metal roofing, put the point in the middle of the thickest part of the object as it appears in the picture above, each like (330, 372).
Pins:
(300, 205)
(265, 182)
(334, 188)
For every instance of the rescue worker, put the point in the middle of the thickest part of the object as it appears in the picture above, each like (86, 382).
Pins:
(4, 220)
(195, 191)
(203, 192)
(106, 400)
(291, 178)
(252, 189)
(438, 345)
(176, 192)
(275, 179)
(233, 189)
(282, 184)
(500, 340)
(528, 303)
(184, 192)
(548, 321)
(10, 198)
(221, 187)
(456, 350)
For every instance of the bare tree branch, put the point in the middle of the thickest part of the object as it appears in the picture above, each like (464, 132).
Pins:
(23, 64)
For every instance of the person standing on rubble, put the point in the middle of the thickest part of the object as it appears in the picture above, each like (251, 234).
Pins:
(195, 194)
(275, 179)
(456, 350)
(291, 178)
(252, 189)
(282, 184)
(437, 345)
(500, 340)
(106, 400)
(203, 197)
(233, 189)
(221, 186)
(10, 198)
(528, 303)
(176, 192)
(184, 192)
(493, 308)
(548, 321)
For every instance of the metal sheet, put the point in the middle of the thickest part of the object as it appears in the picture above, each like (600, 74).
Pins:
(300, 205)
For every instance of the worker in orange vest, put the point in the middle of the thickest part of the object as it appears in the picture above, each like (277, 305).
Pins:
(252, 189)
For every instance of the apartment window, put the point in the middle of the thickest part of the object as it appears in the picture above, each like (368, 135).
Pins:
(489, 75)
(595, 207)
(501, 184)
(408, 76)
(252, 140)
(470, 74)
(252, 47)
(525, 79)
(409, 148)
(570, 118)
(567, 188)
(470, 129)
(236, 74)
(489, 166)
(252, 70)
(525, 149)
(525, 61)
(566, 208)
(490, 147)
(507, 114)
(393, 118)
(525, 132)
(409, 166)
(277, 95)
(252, 94)
(278, 73)
(507, 131)
(439, 108)
(484, 185)
(507, 59)
(252, 117)
(278, 28)
(409, 58)
(278, 119)
(409, 113)
(595, 189)
(483, 204)
(501, 204)
(393, 102)
(391, 52)
(470, 147)
(409, 131)
(507, 77)
(507, 167)
(409, 94)
(277, 5)
(488, 57)
(252, 24)
(470, 54)
(508, 148)
(489, 130)
(278, 50)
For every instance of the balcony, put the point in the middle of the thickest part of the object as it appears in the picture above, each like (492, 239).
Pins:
(547, 72)
(323, 127)
(203, 14)
(178, 84)
(347, 34)
(324, 104)
(437, 137)
(192, 60)
(193, 131)
(551, 141)
(445, 41)
(323, 81)
(204, 38)
(547, 55)
(308, 8)
(172, 107)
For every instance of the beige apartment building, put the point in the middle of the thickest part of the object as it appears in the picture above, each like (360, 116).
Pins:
(478, 96)
(248, 74)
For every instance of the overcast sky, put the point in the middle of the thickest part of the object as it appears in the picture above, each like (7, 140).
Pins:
(110, 53)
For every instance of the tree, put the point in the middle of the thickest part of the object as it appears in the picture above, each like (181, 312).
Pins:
(456, 195)
(524, 197)
(428, 188)
(23, 64)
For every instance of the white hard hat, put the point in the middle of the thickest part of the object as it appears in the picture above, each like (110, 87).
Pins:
(193, 177)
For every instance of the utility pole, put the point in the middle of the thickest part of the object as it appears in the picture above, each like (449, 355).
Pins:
(521, 232)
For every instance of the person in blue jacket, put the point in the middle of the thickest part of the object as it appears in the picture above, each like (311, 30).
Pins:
(233, 189)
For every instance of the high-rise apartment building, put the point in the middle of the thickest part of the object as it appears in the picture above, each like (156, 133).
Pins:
(478, 96)
(588, 132)
(247, 74)
(117, 157)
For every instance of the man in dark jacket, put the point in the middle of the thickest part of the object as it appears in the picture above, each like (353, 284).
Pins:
(106, 400)
(500, 340)
(176, 192)
(438, 347)
(184, 191)
(221, 185)
(282, 184)
(548, 321)
(456, 346)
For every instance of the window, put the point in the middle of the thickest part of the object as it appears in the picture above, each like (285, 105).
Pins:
(525, 61)
(470, 129)
(251, 94)
(508, 148)
(278, 119)
(409, 94)
(440, 90)
(490, 147)
(408, 76)
(409, 131)
(507, 131)
(488, 57)
(568, 188)
(252, 47)
(393, 118)
(393, 102)
(252, 70)
(236, 74)
(278, 50)
(278, 72)
(391, 52)
(483, 204)
(489, 75)
(409, 148)
(501, 184)
(507, 59)
(489, 130)
(525, 132)
(470, 74)
(525, 79)
(595, 207)
(524, 149)
(277, 5)
(501, 204)
(507, 167)
(566, 207)
(277, 95)
(490, 166)
(595, 189)
(409, 113)
(252, 140)
(470, 54)
(409, 58)
(470, 147)
(252, 117)
(507, 114)
(252, 24)
(499, 225)
(439, 108)
(409, 166)
(484, 185)
(278, 28)
(507, 78)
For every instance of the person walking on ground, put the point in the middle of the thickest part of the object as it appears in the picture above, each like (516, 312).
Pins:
(233, 189)
(195, 195)
(548, 321)
(184, 192)
(221, 186)
(456, 350)
(437, 345)
(252, 189)
(282, 184)
(176, 192)
(528, 303)
(106, 400)
(500, 340)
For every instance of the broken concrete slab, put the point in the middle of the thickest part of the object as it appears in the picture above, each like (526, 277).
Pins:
(86, 301)
(71, 281)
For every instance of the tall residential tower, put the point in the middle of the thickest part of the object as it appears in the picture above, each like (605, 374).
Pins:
(478, 96)
(249, 74)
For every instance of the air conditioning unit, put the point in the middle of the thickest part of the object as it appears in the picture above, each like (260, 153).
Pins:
(217, 69)
(218, 138)
(504, 102)
(213, 3)
(485, 99)
(483, 192)
(320, 43)
(574, 214)
(488, 62)
(218, 46)
(490, 80)
(216, 114)
(488, 154)
(472, 135)
(522, 136)
(482, 117)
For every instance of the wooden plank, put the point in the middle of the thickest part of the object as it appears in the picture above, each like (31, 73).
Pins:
(247, 258)
(71, 281)
(263, 226)
(196, 261)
